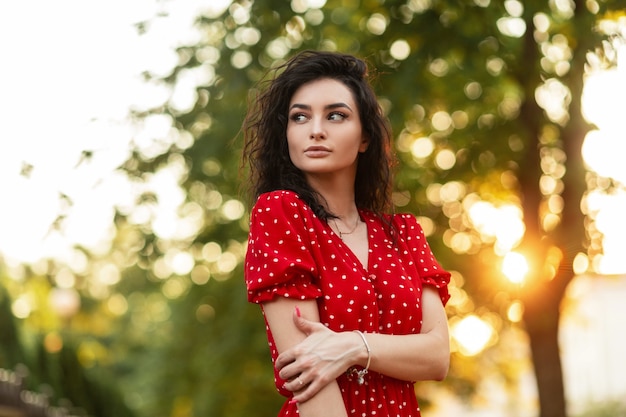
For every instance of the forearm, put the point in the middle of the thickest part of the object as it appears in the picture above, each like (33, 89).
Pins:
(410, 357)
(414, 357)
(328, 402)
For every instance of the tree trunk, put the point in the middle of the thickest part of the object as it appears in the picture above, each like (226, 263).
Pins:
(543, 293)
(542, 325)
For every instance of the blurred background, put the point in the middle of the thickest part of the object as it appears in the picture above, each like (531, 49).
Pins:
(123, 226)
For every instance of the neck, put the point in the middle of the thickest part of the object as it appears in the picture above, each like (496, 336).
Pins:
(343, 207)
(338, 197)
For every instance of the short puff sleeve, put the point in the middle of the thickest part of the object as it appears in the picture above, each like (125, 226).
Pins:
(430, 272)
(278, 261)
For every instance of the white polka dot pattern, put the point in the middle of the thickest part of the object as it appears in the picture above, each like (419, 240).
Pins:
(292, 253)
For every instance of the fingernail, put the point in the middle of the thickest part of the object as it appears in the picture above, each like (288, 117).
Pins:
(293, 401)
(298, 312)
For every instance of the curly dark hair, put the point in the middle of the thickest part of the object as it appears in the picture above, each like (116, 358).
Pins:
(265, 150)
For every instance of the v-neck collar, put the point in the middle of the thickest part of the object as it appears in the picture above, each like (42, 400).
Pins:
(365, 268)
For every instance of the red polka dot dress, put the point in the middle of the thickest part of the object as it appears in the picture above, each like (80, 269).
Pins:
(292, 253)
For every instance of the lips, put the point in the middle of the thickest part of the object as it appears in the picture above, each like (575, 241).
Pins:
(316, 151)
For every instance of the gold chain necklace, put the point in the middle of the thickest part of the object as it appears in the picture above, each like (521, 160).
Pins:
(349, 232)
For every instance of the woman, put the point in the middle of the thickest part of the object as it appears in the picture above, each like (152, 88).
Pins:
(352, 297)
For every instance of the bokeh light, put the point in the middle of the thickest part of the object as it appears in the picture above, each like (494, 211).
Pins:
(503, 224)
(515, 267)
(472, 334)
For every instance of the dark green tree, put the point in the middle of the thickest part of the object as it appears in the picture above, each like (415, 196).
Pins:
(11, 350)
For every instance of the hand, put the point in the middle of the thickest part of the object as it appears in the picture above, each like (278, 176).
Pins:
(319, 359)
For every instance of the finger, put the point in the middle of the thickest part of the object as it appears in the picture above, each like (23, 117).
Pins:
(305, 326)
(298, 320)
(280, 364)
(307, 391)
(284, 359)
(297, 384)
(289, 372)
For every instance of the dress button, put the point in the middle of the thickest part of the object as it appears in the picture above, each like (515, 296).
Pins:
(372, 277)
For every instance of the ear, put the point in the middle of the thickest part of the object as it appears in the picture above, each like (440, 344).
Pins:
(365, 142)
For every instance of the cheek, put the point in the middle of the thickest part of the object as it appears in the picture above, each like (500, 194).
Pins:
(291, 146)
(291, 133)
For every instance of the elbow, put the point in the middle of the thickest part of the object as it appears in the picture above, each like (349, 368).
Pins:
(440, 366)
(441, 362)
(435, 369)
(441, 370)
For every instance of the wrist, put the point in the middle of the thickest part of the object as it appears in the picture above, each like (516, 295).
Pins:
(364, 359)
(361, 350)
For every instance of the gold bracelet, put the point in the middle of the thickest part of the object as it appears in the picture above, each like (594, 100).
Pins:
(360, 374)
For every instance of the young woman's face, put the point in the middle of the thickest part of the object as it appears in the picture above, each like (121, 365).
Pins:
(324, 131)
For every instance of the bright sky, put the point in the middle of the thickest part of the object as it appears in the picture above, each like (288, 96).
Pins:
(603, 151)
(69, 75)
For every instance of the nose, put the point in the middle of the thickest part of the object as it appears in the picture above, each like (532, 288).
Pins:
(317, 129)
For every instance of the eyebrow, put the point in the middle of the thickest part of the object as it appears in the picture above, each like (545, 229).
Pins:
(327, 107)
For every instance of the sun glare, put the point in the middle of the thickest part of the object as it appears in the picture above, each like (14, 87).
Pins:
(515, 267)
(472, 334)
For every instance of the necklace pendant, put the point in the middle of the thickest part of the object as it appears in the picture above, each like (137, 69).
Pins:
(340, 233)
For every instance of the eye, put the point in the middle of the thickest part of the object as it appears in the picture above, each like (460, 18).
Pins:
(337, 116)
(298, 117)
